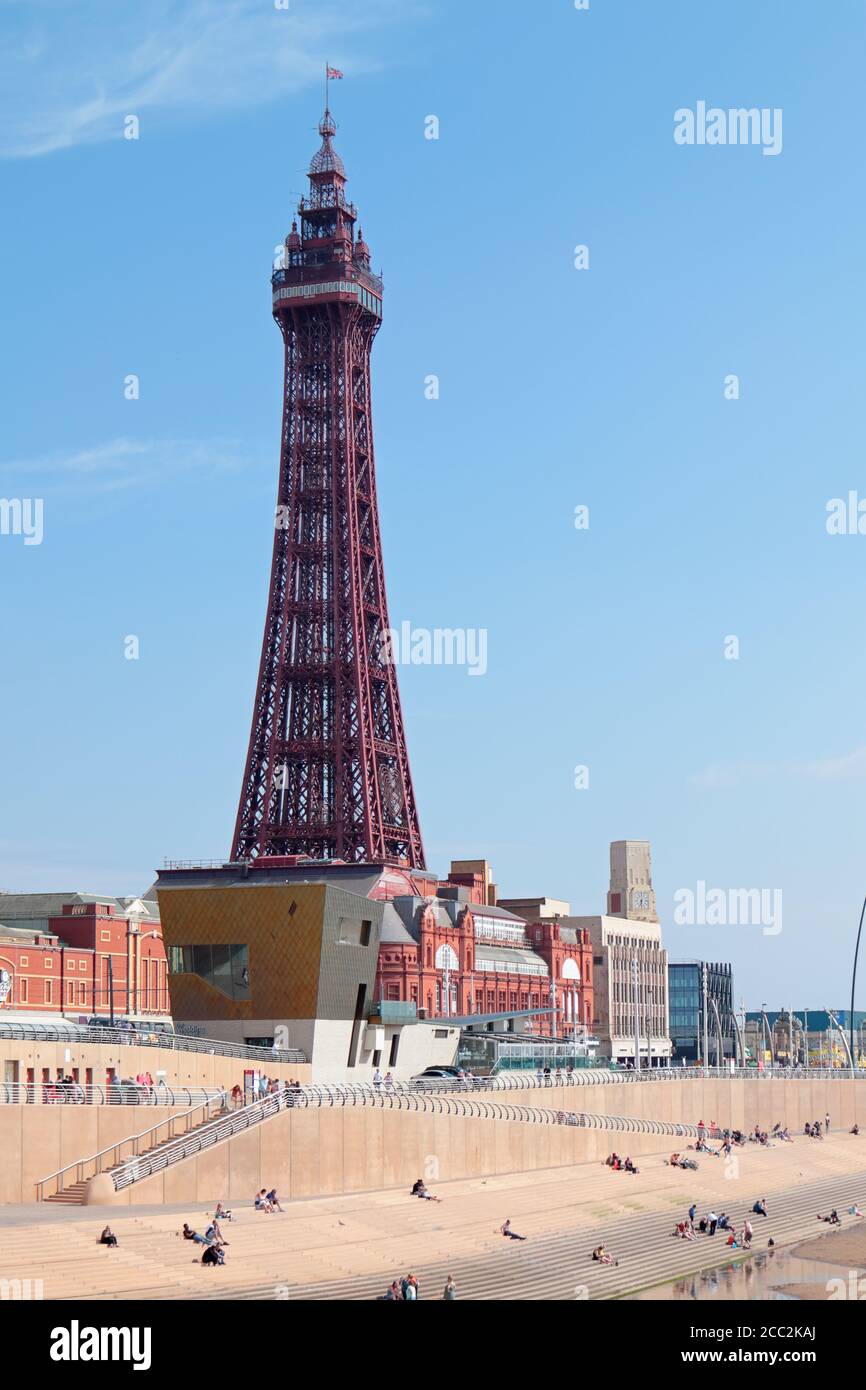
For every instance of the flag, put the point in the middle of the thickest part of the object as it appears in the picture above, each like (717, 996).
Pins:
(335, 73)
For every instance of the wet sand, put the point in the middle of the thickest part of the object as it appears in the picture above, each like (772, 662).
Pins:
(839, 1247)
(842, 1251)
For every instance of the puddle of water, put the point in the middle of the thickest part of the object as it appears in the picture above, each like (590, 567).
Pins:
(761, 1278)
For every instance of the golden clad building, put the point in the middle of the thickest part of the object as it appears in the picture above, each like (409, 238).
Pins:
(284, 953)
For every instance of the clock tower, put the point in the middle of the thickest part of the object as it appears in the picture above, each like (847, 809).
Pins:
(631, 886)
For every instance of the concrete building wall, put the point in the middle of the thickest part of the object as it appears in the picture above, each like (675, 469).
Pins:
(328, 1041)
(37, 1140)
(323, 1152)
(19, 1059)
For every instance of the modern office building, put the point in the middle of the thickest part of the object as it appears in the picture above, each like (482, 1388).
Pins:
(701, 1004)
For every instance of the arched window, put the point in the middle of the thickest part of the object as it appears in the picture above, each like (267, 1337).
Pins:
(446, 958)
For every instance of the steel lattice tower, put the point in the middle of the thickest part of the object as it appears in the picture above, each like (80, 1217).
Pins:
(327, 772)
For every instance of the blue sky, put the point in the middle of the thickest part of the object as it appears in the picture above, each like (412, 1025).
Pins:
(558, 388)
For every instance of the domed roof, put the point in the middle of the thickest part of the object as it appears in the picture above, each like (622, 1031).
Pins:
(326, 160)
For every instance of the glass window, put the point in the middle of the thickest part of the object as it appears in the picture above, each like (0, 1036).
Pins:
(202, 961)
(225, 967)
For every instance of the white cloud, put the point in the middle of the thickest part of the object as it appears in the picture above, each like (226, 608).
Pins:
(848, 765)
(123, 463)
(720, 776)
(69, 75)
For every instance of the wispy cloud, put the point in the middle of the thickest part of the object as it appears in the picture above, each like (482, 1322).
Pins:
(849, 765)
(720, 776)
(124, 463)
(69, 75)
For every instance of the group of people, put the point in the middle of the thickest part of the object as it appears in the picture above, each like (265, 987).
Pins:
(419, 1189)
(815, 1131)
(213, 1241)
(620, 1165)
(544, 1076)
(406, 1290)
(736, 1138)
(833, 1218)
(267, 1201)
(690, 1228)
(678, 1160)
(264, 1086)
(64, 1091)
(379, 1080)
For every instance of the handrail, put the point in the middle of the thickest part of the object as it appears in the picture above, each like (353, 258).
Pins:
(139, 1037)
(587, 1076)
(123, 1093)
(133, 1170)
(318, 1097)
(213, 1098)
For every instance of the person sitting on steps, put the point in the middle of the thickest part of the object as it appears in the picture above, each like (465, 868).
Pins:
(508, 1233)
(603, 1257)
(419, 1190)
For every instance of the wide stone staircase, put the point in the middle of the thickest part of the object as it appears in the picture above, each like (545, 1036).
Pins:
(351, 1247)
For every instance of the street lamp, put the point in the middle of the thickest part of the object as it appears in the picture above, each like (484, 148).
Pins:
(835, 1024)
(768, 1033)
(853, 982)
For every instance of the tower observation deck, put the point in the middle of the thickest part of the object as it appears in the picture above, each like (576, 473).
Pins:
(327, 771)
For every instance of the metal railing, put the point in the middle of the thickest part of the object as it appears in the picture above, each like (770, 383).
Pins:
(140, 1037)
(205, 1136)
(437, 1096)
(146, 1140)
(589, 1076)
(132, 1170)
(124, 1093)
(614, 1077)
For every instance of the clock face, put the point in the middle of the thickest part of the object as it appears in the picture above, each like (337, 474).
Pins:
(640, 898)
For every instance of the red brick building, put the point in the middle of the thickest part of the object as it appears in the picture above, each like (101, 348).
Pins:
(456, 954)
(78, 957)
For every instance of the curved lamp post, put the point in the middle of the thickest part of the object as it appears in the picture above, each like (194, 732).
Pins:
(841, 1031)
(720, 1047)
(769, 1033)
(851, 1052)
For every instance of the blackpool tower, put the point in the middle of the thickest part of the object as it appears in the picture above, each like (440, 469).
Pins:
(327, 772)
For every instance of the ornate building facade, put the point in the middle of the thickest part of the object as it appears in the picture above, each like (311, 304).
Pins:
(456, 955)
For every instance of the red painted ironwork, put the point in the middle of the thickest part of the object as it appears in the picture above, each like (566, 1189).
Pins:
(327, 771)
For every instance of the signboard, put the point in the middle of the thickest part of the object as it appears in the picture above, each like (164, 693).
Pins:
(5, 986)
